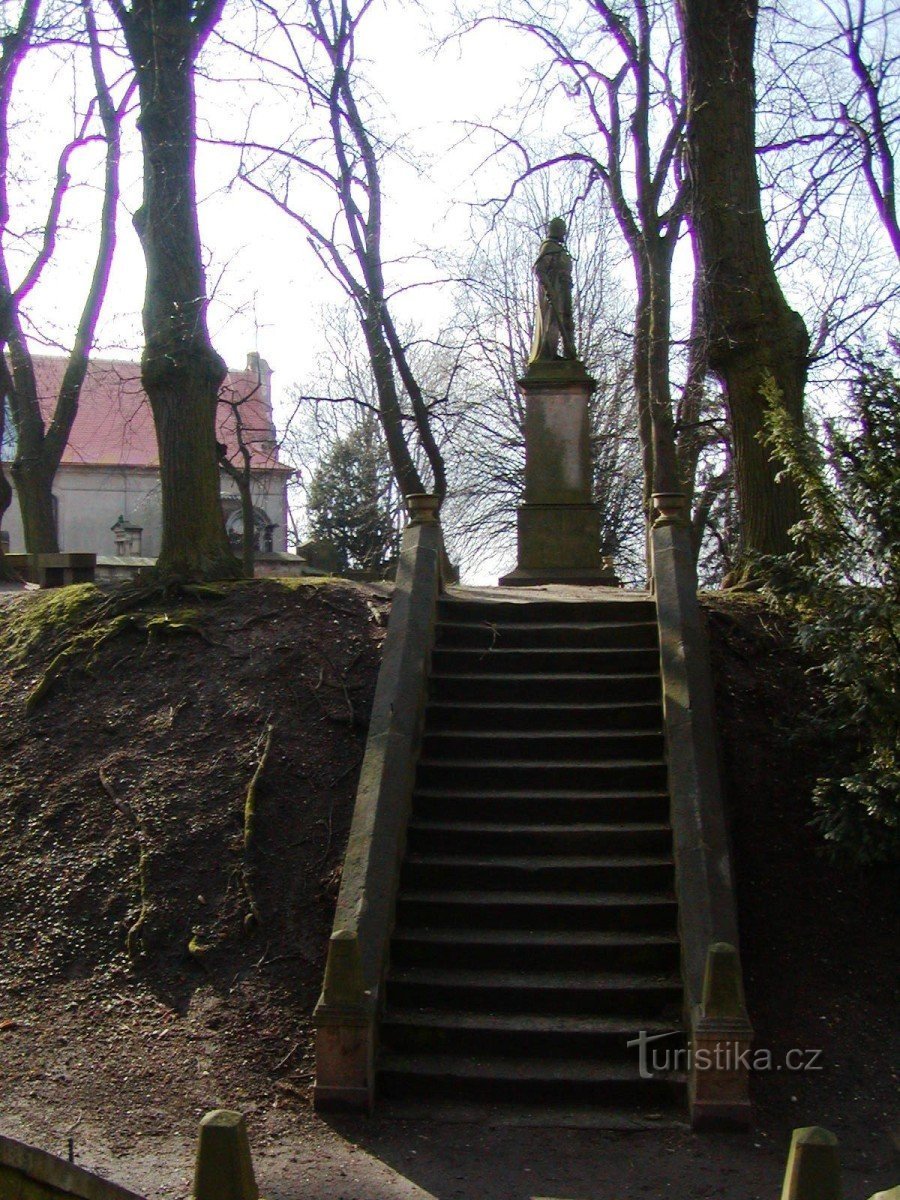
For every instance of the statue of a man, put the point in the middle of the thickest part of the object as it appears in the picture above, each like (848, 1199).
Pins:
(553, 322)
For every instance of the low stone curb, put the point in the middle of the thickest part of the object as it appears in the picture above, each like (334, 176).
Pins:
(27, 1173)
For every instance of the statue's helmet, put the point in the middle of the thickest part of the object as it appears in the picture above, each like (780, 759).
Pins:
(557, 229)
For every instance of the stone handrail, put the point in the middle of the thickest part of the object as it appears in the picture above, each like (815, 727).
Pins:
(347, 1011)
(706, 902)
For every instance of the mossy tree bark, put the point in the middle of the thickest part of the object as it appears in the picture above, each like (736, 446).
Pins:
(753, 336)
(180, 371)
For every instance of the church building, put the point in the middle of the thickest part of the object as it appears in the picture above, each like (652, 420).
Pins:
(107, 493)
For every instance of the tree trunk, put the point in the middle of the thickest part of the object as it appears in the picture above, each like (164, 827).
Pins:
(34, 488)
(652, 336)
(389, 411)
(33, 468)
(180, 371)
(755, 339)
(248, 535)
(6, 492)
(665, 461)
(642, 376)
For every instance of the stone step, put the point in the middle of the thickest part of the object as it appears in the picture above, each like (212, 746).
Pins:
(539, 1114)
(583, 993)
(545, 688)
(553, 635)
(533, 910)
(556, 805)
(524, 1035)
(459, 836)
(559, 1080)
(530, 611)
(545, 872)
(548, 745)
(525, 948)
(568, 661)
(540, 717)
(495, 774)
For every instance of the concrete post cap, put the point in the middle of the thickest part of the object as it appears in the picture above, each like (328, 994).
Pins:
(224, 1168)
(723, 990)
(423, 508)
(813, 1169)
(669, 508)
(344, 986)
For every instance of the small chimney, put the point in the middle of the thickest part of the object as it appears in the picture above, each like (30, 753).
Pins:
(260, 368)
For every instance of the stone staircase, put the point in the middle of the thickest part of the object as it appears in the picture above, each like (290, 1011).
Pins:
(536, 922)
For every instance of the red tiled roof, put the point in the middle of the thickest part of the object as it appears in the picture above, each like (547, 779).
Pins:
(114, 425)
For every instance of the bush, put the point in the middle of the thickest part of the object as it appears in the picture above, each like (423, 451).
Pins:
(843, 585)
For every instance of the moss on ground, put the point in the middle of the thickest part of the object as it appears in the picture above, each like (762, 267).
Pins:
(45, 617)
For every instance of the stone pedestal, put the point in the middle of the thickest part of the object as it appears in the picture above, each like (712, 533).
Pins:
(558, 524)
(54, 570)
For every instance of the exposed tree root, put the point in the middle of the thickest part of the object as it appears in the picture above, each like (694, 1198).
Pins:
(263, 748)
(133, 939)
(82, 651)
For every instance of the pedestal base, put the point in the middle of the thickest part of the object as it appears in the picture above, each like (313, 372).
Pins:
(523, 577)
(560, 543)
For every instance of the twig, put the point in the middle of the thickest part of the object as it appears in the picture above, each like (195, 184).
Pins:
(124, 808)
(293, 1050)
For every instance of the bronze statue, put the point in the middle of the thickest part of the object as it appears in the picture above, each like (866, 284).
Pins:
(553, 322)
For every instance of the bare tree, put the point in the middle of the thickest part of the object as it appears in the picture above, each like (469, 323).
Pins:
(39, 445)
(753, 335)
(253, 445)
(827, 132)
(841, 59)
(315, 61)
(238, 466)
(180, 370)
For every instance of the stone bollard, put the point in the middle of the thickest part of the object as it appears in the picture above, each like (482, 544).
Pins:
(224, 1169)
(891, 1194)
(813, 1169)
(345, 1031)
(721, 1040)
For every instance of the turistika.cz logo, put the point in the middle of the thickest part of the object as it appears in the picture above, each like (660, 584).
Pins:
(655, 1057)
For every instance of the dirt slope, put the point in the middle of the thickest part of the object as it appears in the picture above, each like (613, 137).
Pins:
(131, 777)
(820, 940)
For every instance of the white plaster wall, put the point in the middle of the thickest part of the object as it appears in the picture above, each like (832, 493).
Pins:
(91, 500)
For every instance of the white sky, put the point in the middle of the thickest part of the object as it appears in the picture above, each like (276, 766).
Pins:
(265, 282)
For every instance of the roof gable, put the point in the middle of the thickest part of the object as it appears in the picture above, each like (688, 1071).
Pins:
(114, 424)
